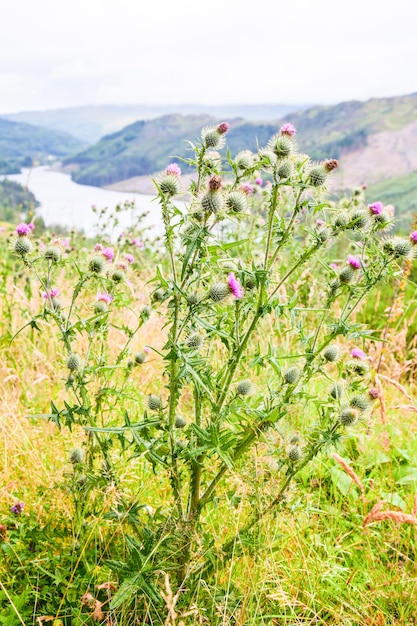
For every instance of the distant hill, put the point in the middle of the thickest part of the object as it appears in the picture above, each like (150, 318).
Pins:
(14, 200)
(21, 143)
(374, 140)
(90, 123)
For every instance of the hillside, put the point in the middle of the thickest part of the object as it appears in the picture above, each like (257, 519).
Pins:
(91, 123)
(14, 200)
(374, 140)
(21, 143)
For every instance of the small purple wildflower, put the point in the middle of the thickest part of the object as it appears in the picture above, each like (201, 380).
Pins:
(98, 247)
(354, 262)
(357, 353)
(320, 223)
(376, 208)
(173, 169)
(135, 241)
(288, 129)
(108, 253)
(23, 229)
(147, 350)
(141, 245)
(130, 258)
(334, 266)
(246, 188)
(17, 508)
(31, 226)
(50, 294)
(259, 181)
(235, 286)
(104, 297)
(413, 236)
(223, 128)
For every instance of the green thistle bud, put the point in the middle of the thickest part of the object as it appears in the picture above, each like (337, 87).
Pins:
(193, 298)
(198, 215)
(359, 220)
(360, 402)
(154, 402)
(358, 367)
(23, 245)
(77, 456)
(212, 138)
(244, 387)
(236, 202)
(341, 220)
(140, 358)
(346, 274)
(317, 176)
(100, 307)
(334, 285)
(195, 341)
(292, 375)
(212, 202)
(52, 253)
(97, 265)
(146, 311)
(332, 353)
(180, 421)
(56, 304)
(249, 281)
(285, 170)
(169, 185)
(295, 454)
(337, 391)
(322, 234)
(158, 295)
(348, 416)
(401, 248)
(74, 363)
(118, 276)
(219, 291)
(244, 160)
(295, 439)
(212, 160)
(282, 146)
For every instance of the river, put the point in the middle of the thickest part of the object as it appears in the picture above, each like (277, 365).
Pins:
(65, 203)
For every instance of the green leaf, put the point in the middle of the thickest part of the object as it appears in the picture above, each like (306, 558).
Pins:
(411, 477)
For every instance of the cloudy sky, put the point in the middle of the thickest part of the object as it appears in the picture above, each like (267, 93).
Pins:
(59, 53)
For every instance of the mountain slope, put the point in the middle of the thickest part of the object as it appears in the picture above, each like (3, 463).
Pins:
(21, 143)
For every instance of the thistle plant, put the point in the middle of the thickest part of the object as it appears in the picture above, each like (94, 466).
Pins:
(248, 342)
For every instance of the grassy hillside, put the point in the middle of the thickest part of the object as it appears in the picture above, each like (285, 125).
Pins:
(21, 143)
(402, 192)
(14, 199)
(91, 123)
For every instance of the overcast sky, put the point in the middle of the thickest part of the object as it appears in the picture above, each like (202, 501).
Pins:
(59, 53)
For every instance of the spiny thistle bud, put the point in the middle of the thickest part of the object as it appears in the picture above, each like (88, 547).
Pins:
(398, 247)
(198, 215)
(180, 421)
(146, 311)
(154, 402)
(332, 353)
(374, 393)
(358, 367)
(195, 341)
(295, 454)
(158, 295)
(346, 274)
(212, 160)
(118, 276)
(56, 304)
(317, 176)
(322, 234)
(244, 160)
(236, 201)
(97, 265)
(193, 298)
(219, 291)
(74, 362)
(23, 245)
(244, 387)
(383, 219)
(212, 202)
(140, 358)
(292, 375)
(348, 416)
(77, 456)
(282, 146)
(330, 165)
(169, 184)
(295, 439)
(337, 391)
(334, 285)
(341, 220)
(359, 402)
(52, 253)
(100, 307)
(215, 183)
(249, 281)
(212, 138)
(359, 220)
(285, 170)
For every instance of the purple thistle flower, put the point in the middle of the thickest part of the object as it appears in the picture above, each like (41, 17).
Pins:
(320, 223)
(98, 247)
(130, 258)
(259, 181)
(50, 294)
(357, 353)
(173, 170)
(31, 226)
(413, 236)
(354, 262)
(246, 188)
(147, 350)
(235, 286)
(376, 208)
(104, 297)
(108, 253)
(288, 129)
(223, 128)
(135, 242)
(334, 266)
(17, 508)
(23, 229)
